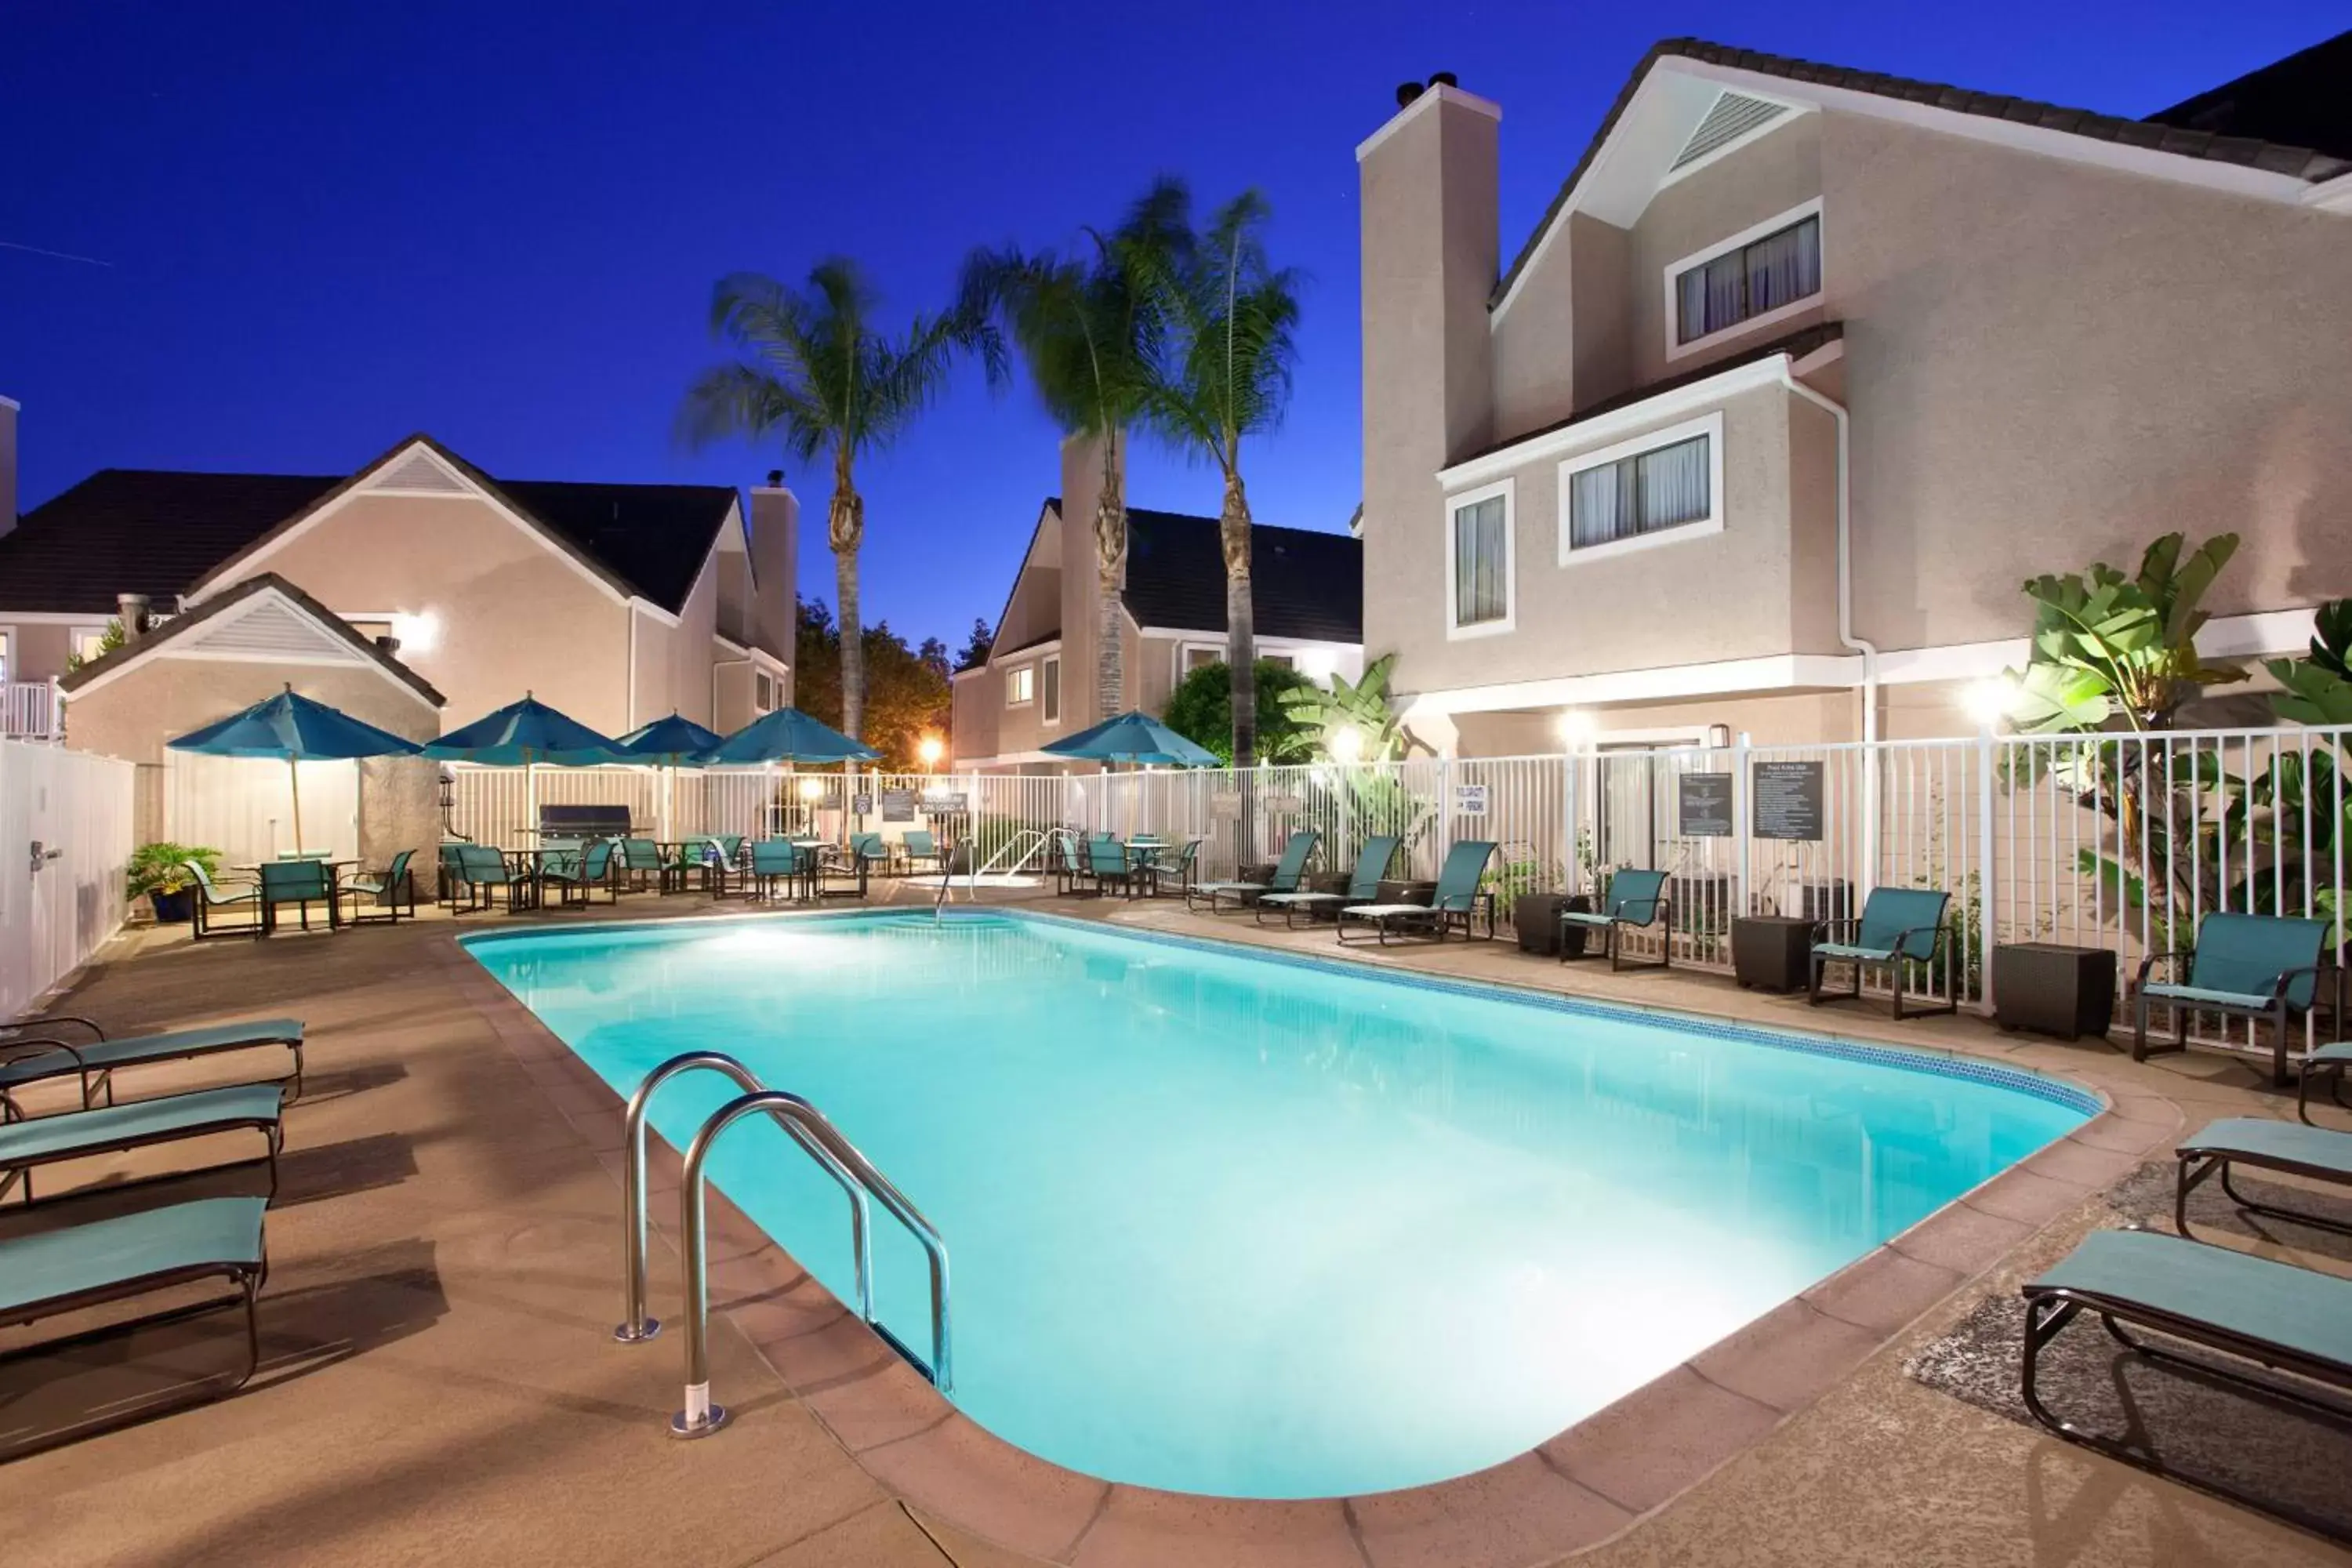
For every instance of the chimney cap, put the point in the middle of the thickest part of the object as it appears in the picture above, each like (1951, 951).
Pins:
(775, 479)
(1407, 91)
(1444, 78)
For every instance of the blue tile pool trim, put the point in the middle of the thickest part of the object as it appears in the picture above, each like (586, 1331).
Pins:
(2021, 1081)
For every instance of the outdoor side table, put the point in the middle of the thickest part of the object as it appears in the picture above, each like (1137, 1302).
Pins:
(1775, 951)
(2054, 989)
(1536, 917)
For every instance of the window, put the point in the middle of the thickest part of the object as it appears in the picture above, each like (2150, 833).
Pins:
(1753, 278)
(1020, 686)
(5, 656)
(763, 692)
(1050, 703)
(1283, 660)
(1199, 655)
(89, 643)
(1661, 483)
(1478, 562)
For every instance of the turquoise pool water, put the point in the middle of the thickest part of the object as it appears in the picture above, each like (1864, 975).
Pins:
(1223, 1222)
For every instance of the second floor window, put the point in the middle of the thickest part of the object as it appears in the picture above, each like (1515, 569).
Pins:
(1645, 492)
(1050, 701)
(1480, 564)
(1749, 280)
(763, 692)
(1020, 686)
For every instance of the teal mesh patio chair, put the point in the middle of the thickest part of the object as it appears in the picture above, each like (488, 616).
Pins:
(1454, 902)
(576, 878)
(2262, 968)
(1108, 866)
(780, 861)
(1363, 886)
(1288, 873)
(1636, 900)
(641, 861)
(212, 897)
(1180, 878)
(482, 872)
(301, 883)
(922, 851)
(1899, 927)
(389, 889)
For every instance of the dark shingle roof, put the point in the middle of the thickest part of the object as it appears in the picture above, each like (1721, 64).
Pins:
(1302, 583)
(2303, 100)
(160, 533)
(2161, 132)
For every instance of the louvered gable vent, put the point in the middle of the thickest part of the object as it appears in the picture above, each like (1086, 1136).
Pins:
(418, 474)
(272, 628)
(1732, 115)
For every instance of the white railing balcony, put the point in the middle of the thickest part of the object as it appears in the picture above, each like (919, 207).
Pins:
(30, 711)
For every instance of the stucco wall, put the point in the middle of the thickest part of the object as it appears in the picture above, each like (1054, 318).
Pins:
(972, 714)
(39, 652)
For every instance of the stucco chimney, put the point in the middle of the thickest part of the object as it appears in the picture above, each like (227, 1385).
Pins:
(8, 464)
(131, 610)
(775, 566)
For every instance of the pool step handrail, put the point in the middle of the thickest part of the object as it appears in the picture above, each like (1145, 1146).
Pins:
(824, 1142)
(1029, 841)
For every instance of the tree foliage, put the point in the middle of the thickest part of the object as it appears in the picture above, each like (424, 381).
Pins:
(2317, 687)
(2108, 646)
(977, 645)
(907, 688)
(1200, 710)
(1322, 712)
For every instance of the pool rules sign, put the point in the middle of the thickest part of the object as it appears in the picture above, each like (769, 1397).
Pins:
(1787, 801)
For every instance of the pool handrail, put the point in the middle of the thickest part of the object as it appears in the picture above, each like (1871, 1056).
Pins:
(1042, 837)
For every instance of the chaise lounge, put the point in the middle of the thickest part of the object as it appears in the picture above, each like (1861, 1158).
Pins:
(1363, 884)
(2313, 1153)
(27, 1058)
(1289, 873)
(1456, 900)
(2257, 967)
(26, 1144)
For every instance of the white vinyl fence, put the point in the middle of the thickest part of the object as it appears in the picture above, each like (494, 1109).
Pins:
(65, 839)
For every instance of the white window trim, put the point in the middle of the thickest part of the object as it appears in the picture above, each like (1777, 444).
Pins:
(1748, 235)
(1010, 671)
(1050, 721)
(1508, 490)
(1708, 425)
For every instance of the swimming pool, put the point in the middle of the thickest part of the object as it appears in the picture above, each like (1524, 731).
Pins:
(1233, 1222)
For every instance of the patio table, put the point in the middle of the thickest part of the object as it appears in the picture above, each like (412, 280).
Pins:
(335, 870)
(1143, 859)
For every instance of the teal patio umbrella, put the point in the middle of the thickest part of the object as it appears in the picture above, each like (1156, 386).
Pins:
(669, 744)
(523, 735)
(789, 736)
(1133, 737)
(297, 729)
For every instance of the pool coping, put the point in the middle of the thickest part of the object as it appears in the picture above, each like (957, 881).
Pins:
(1584, 1485)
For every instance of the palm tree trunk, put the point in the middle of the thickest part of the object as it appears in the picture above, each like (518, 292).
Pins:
(846, 523)
(1110, 562)
(1240, 621)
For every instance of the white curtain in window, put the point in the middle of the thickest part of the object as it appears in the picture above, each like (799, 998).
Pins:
(1778, 270)
(1784, 268)
(1592, 504)
(1673, 485)
(1480, 593)
(1641, 494)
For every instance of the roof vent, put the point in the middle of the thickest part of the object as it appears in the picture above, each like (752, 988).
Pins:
(1733, 116)
(418, 473)
(1444, 78)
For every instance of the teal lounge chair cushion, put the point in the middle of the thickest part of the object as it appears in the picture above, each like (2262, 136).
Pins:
(2260, 1139)
(53, 1137)
(2247, 953)
(2252, 1298)
(54, 1264)
(1363, 883)
(2336, 1054)
(168, 1046)
(1850, 951)
(2206, 994)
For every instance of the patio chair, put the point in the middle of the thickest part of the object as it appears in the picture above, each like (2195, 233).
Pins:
(642, 859)
(1108, 866)
(780, 860)
(1363, 884)
(2293, 1320)
(1180, 878)
(2257, 967)
(2328, 1061)
(2313, 1153)
(870, 851)
(81, 1134)
(452, 867)
(922, 851)
(1289, 873)
(1455, 900)
(46, 1274)
(481, 871)
(1636, 900)
(1064, 862)
(37, 1052)
(714, 855)
(302, 883)
(1899, 927)
(388, 889)
(212, 897)
(577, 880)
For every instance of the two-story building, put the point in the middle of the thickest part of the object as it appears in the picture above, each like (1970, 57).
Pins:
(1040, 682)
(1807, 369)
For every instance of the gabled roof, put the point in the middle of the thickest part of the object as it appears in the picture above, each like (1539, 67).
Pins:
(332, 634)
(166, 534)
(2168, 132)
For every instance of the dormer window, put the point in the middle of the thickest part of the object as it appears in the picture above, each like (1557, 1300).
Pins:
(1766, 273)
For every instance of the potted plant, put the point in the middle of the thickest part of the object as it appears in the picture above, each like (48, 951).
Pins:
(160, 870)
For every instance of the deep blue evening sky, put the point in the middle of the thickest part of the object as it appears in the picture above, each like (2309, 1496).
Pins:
(326, 226)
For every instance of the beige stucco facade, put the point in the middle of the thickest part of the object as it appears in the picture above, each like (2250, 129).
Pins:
(2048, 355)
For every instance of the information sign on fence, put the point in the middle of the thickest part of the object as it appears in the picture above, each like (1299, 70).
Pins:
(1703, 806)
(1470, 800)
(862, 804)
(1225, 804)
(946, 801)
(897, 805)
(1788, 802)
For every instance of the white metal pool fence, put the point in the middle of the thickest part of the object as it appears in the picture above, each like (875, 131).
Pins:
(65, 839)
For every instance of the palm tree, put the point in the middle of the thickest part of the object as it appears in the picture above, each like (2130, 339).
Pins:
(816, 375)
(1223, 374)
(1088, 330)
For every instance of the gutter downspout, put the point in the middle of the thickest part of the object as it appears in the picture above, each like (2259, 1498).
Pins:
(1846, 638)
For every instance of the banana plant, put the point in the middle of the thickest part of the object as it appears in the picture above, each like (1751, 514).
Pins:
(2318, 689)
(2108, 647)
(1323, 713)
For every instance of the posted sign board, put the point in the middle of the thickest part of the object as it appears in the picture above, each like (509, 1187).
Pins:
(897, 805)
(1470, 800)
(1787, 800)
(1703, 805)
(946, 801)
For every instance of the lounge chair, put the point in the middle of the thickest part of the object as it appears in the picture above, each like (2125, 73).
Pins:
(2293, 1319)
(1636, 900)
(2260, 967)
(2328, 1061)
(36, 1052)
(1456, 901)
(2314, 1153)
(50, 1273)
(1289, 873)
(79, 1134)
(780, 860)
(1363, 884)
(920, 847)
(213, 897)
(642, 859)
(577, 878)
(301, 881)
(388, 889)
(1899, 927)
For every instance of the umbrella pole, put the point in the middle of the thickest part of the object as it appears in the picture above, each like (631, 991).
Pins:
(530, 793)
(294, 781)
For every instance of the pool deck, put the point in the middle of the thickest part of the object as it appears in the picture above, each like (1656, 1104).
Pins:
(439, 1383)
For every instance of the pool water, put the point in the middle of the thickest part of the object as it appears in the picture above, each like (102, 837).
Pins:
(1232, 1223)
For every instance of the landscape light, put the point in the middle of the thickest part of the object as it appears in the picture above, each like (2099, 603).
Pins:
(810, 789)
(1576, 726)
(929, 750)
(1347, 743)
(1989, 701)
(419, 633)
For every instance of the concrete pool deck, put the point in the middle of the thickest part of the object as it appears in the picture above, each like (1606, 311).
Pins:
(439, 1381)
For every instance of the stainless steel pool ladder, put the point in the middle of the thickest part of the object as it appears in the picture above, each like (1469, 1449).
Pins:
(823, 1143)
(1029, 841)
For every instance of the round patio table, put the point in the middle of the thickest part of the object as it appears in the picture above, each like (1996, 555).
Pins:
(335, 870)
